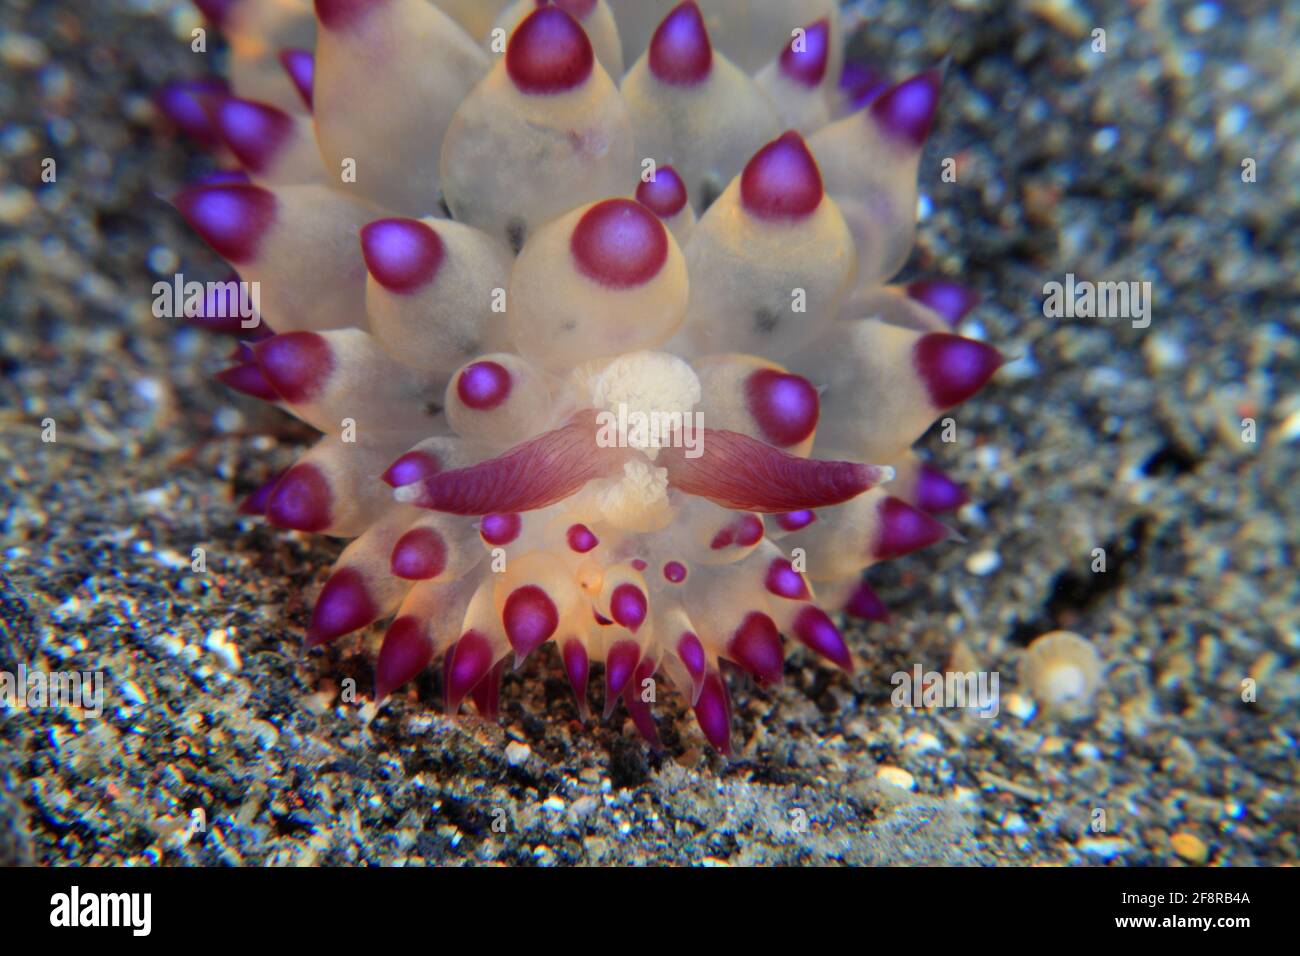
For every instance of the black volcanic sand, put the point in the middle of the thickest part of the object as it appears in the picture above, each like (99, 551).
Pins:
(1121, 166)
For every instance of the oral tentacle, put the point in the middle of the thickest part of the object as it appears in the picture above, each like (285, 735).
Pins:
(538, 473)
(736, 471)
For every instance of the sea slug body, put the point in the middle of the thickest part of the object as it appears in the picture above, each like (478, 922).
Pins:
(601, 288)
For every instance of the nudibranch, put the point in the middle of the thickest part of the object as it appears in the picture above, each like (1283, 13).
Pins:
(591, 303)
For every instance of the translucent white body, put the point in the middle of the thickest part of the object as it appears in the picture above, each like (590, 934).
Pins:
(458, 315)
(706, 131)
(725, 402)
(805, 108)
(297, 159)
(873, 402)
(599, 25)
(306, 264)
(764, 286)
(560, 317)
(839, 545)
(477, 393)
(357, 499)
(474, 16)
(258, 31)
(754, 31)
(1063, 671)
(873, 180)
(366, 386)
(891, 304)
(513, 160)
(394, 77)
(524, 412)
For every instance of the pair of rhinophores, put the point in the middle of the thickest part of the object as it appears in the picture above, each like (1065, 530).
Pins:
(478, 227)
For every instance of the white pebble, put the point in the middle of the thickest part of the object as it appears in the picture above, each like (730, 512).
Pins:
(1018, 705)
(219, 643)
(172, 643)
(517, 753)
(919, 742)
(155, 498)
(162, 261)
(1018, 369)
(983, 563)
(1087, 751)
(1201, 17)
(988, 457)
(896, 777)
(1105, 848)
(22, 52)
(544, 855)
(1165, 351)
(1233, 121)
(132, 693)
(1104, 140)
(1289, 430)
(16, 204)
(228, 420)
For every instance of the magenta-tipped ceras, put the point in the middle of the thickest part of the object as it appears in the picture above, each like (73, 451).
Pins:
(596, 326)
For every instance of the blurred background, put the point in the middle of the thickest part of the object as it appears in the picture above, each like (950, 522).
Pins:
(1127, 165)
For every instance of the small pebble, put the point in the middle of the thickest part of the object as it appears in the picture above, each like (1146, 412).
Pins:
(1164, 351)
(1104, 140)
(1190, 848)
(1051, 746)
(1104, 848)
(21, 52)
(16, 204)
(1201, 17)
(219, 643)
(922, 742)
(544, 855)
(983, 563)
(1018, 705)
(517, 753)
(896, 777)
(1289, 430)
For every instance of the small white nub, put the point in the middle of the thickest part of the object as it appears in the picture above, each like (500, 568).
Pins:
(407, 493)
(887, 474)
